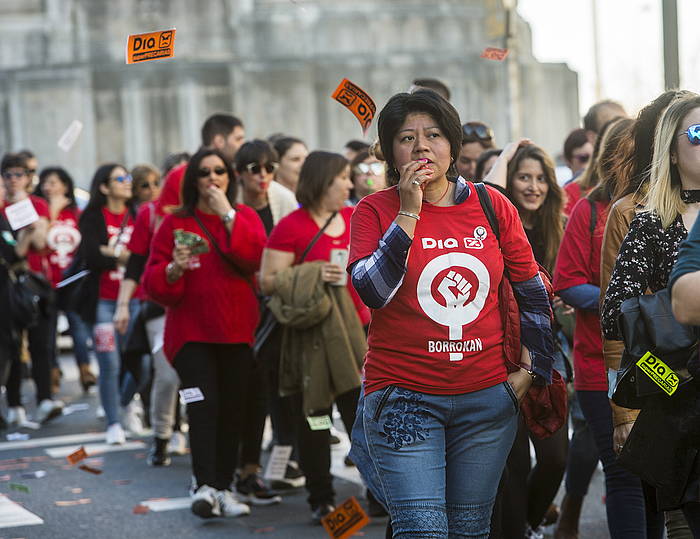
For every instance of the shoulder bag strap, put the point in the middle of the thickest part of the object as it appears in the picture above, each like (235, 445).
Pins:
(317, 236)
(231, 263)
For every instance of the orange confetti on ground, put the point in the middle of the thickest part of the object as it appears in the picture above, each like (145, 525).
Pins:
(140, 509)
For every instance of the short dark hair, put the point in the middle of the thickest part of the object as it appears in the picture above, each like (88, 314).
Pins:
(97, 198)
(394, 114)
(481, 161)
(63, 176)
(12, 160)
(434, 85)
(218, 124)
(190, 193)
(591, 121)
(27, 154)
(255, 151)
(356, 145)
(316, 175)
(576, 139)
(282, 145)
(174, 159)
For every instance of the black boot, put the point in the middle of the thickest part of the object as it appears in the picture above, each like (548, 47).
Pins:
(158, 455)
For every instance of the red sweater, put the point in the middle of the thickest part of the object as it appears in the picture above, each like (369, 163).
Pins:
(210, 304)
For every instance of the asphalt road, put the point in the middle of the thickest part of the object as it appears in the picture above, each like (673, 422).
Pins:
(102, 506)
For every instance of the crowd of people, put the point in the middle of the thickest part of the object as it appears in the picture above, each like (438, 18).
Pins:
(430, 286)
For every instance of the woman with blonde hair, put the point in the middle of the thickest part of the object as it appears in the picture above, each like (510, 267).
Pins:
(648, 254)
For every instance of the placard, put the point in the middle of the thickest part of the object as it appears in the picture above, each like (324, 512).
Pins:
(150, 46)
(21, 214)
(277, 465)
(357, 101)
(346, 520)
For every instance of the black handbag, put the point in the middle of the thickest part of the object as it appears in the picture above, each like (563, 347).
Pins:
(268, 323)
(649, 330)
(24, 303)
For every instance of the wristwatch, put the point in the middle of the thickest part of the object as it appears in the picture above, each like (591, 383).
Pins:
(229, 216)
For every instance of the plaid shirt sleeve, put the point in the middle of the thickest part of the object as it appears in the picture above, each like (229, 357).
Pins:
(535, 324)
(378, 276)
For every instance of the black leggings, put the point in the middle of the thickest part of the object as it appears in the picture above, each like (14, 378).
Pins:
(221, 372)
(315, 445)
(42, 349)
(527, 493)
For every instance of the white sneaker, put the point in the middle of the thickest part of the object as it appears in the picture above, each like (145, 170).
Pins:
(115, 434)
(48, 409)
(205, 502)
(100, 412)
(229, 504)
(131, 420)
(177, 444)
(16, 415)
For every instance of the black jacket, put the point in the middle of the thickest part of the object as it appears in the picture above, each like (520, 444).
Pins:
(93, 230)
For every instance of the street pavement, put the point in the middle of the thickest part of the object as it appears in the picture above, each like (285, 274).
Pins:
(65, 502)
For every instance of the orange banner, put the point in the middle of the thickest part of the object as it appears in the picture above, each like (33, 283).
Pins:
(492, 53)
(357, 101)
(151, 46)
(346, 520)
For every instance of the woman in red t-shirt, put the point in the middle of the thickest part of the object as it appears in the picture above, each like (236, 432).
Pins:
(577, 280)
(324, 186)
(63, 239)
(440, 410)
(106, 226)
(201, 267)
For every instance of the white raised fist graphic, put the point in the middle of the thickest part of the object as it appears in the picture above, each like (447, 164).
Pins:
(454, 280)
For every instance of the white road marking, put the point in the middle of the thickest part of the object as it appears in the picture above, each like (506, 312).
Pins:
(169, 504)
(53, 440)
(13, 514)
(92, 449)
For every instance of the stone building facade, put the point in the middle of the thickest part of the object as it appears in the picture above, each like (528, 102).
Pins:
(274, 63)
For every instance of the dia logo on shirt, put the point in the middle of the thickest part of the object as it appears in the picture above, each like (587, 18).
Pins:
(456, 291)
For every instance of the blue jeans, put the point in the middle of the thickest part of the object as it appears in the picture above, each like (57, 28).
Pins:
(80, 334)
(438, 458)
(583, 453)
(109, 360)
(624, 499)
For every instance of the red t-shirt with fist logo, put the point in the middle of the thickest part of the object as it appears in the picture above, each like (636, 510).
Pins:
(441, 333)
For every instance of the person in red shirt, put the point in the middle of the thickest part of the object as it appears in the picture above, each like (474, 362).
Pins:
(63, 239)
(106, 226)
(211, 315)
(42, 349)
(577, 280)
(324, 186)
(440, 410)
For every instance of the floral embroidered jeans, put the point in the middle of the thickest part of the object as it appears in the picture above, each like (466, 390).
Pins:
(438, 458)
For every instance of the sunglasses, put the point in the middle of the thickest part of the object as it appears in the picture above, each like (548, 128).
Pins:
(693, 133)
(9, 175)
(122, 179)
(204, 172)
(583, 158)
(255, 168)
(366, 168)
(148, 185)
(481, 131)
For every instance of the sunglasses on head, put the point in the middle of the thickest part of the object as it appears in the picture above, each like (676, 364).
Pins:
(204, 172)
(122, 179)
(255, 168)
(481, 131)
(366, 168)
(9, 175)
(583, 158)
(693, 133)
